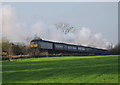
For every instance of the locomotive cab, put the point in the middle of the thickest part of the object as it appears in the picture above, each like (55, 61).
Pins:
(34, 44)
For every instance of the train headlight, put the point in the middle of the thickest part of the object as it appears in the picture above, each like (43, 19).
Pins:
(34, 45)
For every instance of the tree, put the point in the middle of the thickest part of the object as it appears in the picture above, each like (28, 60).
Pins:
(19, 49)
(65, 27)
(13, 48)
(5, 46)
(115, 50)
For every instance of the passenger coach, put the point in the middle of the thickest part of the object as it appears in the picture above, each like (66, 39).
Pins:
(57, 47)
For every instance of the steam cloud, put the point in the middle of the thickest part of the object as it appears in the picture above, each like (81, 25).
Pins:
(17, 32)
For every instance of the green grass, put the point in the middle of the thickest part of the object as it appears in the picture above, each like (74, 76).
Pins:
(74, 69)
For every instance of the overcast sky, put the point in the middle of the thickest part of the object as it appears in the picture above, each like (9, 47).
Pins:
(99, 17)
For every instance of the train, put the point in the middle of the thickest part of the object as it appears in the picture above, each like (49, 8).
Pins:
(64, 48)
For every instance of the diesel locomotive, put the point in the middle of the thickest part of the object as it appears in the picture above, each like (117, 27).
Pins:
(64, 48)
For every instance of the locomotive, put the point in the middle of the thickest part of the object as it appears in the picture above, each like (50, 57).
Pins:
(64, 48)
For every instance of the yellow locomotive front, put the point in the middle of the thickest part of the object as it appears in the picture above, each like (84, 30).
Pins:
(34, 44)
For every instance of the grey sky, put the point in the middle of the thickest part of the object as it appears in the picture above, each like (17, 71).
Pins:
(100, 17)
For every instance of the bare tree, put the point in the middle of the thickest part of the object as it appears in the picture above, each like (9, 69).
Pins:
(28, 39)
(65, 27)
(36, 36)
(110, 46)
(115, 50)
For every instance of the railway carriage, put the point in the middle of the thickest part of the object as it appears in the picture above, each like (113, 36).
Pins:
(65, 47)
(72, 48)
(56, 47)
(45, 45)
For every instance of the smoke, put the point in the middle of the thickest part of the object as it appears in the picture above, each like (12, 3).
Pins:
(11, 27)
(16, 31)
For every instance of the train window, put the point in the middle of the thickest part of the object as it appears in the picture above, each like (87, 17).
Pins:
(34, 42)
(70, 47)
(45, 45)
(74, 48)
(87, 49)
(90, 49)
(59, 46)
(81, 48)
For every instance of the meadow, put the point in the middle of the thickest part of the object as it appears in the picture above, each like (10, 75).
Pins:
(65, 69)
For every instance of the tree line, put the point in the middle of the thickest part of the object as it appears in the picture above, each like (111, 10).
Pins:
(12, 49)
(115, 50)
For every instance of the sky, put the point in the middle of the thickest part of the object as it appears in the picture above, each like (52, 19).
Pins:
(94, 18)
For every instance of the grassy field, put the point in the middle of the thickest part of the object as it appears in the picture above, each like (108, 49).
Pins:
(74, 69)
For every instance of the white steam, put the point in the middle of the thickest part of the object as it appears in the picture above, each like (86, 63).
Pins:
(11, 27)
(17, 32)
